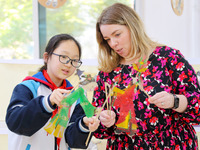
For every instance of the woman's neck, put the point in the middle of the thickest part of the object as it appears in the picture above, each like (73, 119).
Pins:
(129, 61)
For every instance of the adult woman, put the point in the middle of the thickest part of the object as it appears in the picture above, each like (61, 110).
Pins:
(166, 96)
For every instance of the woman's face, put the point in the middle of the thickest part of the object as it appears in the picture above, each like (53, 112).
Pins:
(118, 38)
(57, 70)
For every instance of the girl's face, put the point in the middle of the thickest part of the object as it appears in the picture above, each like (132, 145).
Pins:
(56, 70)
(118, 38)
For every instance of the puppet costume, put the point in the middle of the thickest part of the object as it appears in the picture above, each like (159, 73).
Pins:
(157, 128)
(30, 111)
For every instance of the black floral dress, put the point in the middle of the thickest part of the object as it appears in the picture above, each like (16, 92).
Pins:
(157, 128)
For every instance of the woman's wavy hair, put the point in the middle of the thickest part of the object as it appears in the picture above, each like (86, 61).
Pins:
(141, 44)
(54, 42)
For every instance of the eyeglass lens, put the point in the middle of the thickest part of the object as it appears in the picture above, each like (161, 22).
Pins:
(66, 60)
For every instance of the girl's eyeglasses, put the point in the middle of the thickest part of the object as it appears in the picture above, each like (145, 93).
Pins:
(65, 60)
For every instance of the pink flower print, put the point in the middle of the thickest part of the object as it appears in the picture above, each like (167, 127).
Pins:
(166, 72)
(172, 55)
(118, 69)
(125, 76)
(140, 105)
(171, 72)
(184, 146)
(146, 73)
(148, 115)
(168, 120)
(158, 48)
(157, 54)
(156, 131)
(127, 82)
(175, 83)
(126, 145)
(157, 76)
(190, 141)
(97, 79)
(145, 82)
(146, 102)
(120, 145)
(117, 78)
(192, 115)
(143, 124)
(177, 147)
(109, 81)
(97, 94)
(190, 72)
(105, 74)
(148, 89)
(153, 120)
(100, 102)
(102, 88)
(166, 87)
(167, 48)
(172, 142)
(174, 61)
(126, 139)
(164, 61)
(180, 66)
(155, 68)
(186, 136)
(182, 76)
(196, 109)
(193, 79)
(113, 138)
(96, 88)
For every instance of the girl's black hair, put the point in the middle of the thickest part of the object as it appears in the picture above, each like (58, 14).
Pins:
(54, 42)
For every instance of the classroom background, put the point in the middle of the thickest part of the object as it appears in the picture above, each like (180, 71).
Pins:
(26, 26)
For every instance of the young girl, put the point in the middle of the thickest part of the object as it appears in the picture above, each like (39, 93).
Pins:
(36, 100)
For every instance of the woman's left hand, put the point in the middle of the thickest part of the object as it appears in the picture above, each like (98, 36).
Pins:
(162, 99)
(107, 118)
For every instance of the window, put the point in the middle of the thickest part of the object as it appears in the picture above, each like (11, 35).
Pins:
(16, 28)
(76, 17)
(26, 26)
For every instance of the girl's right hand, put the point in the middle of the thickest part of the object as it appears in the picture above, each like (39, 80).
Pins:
(107, 118)
(57, 96)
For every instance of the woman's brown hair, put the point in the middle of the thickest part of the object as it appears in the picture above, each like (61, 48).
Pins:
(141, 44)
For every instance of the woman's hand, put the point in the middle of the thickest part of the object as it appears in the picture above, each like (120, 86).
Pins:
(57, 96)
(107, 118)
(163, 100)
(92, 123)
(166, 100)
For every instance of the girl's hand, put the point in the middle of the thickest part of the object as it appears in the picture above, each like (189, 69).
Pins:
(162, 99)
(92, 123)
(57, 96)
(107, 118)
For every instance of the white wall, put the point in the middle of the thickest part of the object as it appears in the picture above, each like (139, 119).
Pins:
(163, 25)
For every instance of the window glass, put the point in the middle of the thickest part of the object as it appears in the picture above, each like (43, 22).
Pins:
(76, 17)
(16, 28)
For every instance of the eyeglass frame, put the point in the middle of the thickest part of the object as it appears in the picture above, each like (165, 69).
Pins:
(69, 60)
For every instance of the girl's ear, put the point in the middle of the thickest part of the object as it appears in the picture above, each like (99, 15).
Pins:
(45, 57)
